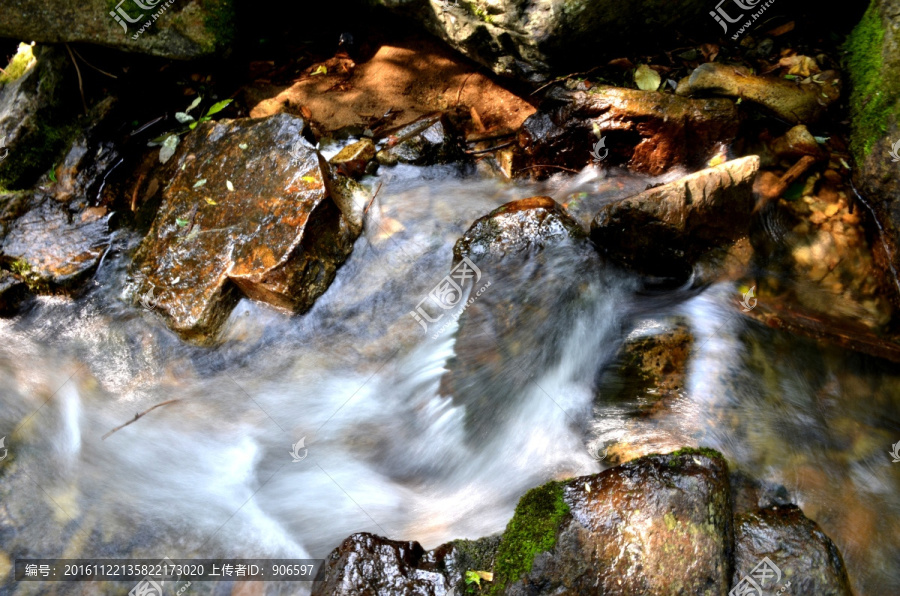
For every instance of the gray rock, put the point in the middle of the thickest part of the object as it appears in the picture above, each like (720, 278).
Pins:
(528, 39)
(37, 115)
(663, 230)
(181, 29)
(51, 247)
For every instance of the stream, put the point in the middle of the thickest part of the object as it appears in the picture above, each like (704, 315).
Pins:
(358, 381)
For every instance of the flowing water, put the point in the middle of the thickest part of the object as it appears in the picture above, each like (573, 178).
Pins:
(358, 380)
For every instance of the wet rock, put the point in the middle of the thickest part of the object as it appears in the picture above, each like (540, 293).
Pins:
(647, 130)
(658, 525)
(806, 560)
(368, 565)
(796, 143)
(13, 291)
(523, 245)
(426, 141)
(247, 211)
(353, 159)
(91, 155)
(874, 72)
(663, 230)
(795, 102)
(37, 115)
(528, 41)
(52, 247)
(166, 28)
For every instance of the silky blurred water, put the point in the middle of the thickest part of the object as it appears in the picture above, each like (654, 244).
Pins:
(211, 475)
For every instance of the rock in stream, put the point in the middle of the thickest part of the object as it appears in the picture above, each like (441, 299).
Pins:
(247, 212)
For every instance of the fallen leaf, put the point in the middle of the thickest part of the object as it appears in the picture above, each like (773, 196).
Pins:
(646, 78)
(181, 222)
(229, 185)
(309, 179)
(319, 70)
(210, 201)
(243, 146)
(782, 29)
(168, 148)
(199, 183)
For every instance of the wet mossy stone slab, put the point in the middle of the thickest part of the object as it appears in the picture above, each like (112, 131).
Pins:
(658, 525)
(247, 213)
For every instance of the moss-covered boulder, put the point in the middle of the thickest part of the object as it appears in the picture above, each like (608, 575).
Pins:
(804, 560)
(37, 112)
(180, 29)
(658, 525)
(873, 65)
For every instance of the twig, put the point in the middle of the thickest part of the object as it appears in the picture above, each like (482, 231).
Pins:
(138, 416)
(459, 93)
(558, 79)
(372, 200)
(78, 72)
(94, 67)
(489, 149)
(548, 166)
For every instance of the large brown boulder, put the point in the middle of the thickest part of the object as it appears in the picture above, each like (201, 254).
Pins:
(648, 131)
(246, 212)
(663, 230)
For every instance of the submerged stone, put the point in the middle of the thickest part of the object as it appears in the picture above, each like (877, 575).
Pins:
(36, 113)
(247, 212)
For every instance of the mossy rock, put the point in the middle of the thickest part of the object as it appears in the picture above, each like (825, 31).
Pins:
(183, 29)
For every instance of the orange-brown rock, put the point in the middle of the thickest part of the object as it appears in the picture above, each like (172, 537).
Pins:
(247, 212)
(647, 130)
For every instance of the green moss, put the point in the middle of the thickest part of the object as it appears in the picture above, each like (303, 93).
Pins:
(874, 97)
(220, 22)
(531, 531)
(698, 451)
(35, 153)
(18, 65)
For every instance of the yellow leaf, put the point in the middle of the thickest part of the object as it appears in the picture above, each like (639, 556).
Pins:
(210, 201)
(646, 78)
(309, 179)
